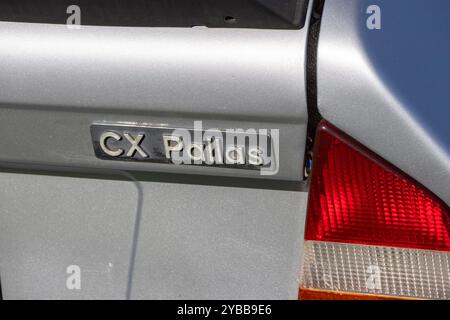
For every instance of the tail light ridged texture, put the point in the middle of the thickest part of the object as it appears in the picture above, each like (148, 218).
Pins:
(365, 214)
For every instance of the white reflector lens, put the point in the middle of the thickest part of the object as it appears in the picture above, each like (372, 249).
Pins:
(389, 271)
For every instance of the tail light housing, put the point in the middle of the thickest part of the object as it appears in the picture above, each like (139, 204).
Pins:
(372, 232)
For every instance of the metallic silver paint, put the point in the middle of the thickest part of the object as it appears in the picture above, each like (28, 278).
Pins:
(136, 239)
(48, 223)
(208, 242)
(144, 239)
(55, 80)
(376, 86)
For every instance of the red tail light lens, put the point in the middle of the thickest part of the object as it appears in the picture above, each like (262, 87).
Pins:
(371, 229)
(357, 197)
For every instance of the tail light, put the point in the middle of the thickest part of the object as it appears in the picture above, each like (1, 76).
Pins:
(371, 232)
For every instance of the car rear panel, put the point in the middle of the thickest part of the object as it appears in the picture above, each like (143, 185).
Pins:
(145, 230)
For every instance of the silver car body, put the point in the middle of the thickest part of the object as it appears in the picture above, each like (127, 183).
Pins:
(152, 231)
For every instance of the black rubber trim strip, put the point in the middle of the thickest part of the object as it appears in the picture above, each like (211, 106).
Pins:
(314, 116)
(262, 14)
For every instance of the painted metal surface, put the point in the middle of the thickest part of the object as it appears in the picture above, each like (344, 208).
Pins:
(147, 239)
(57, 81)
(138, 236)
(387, 88)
